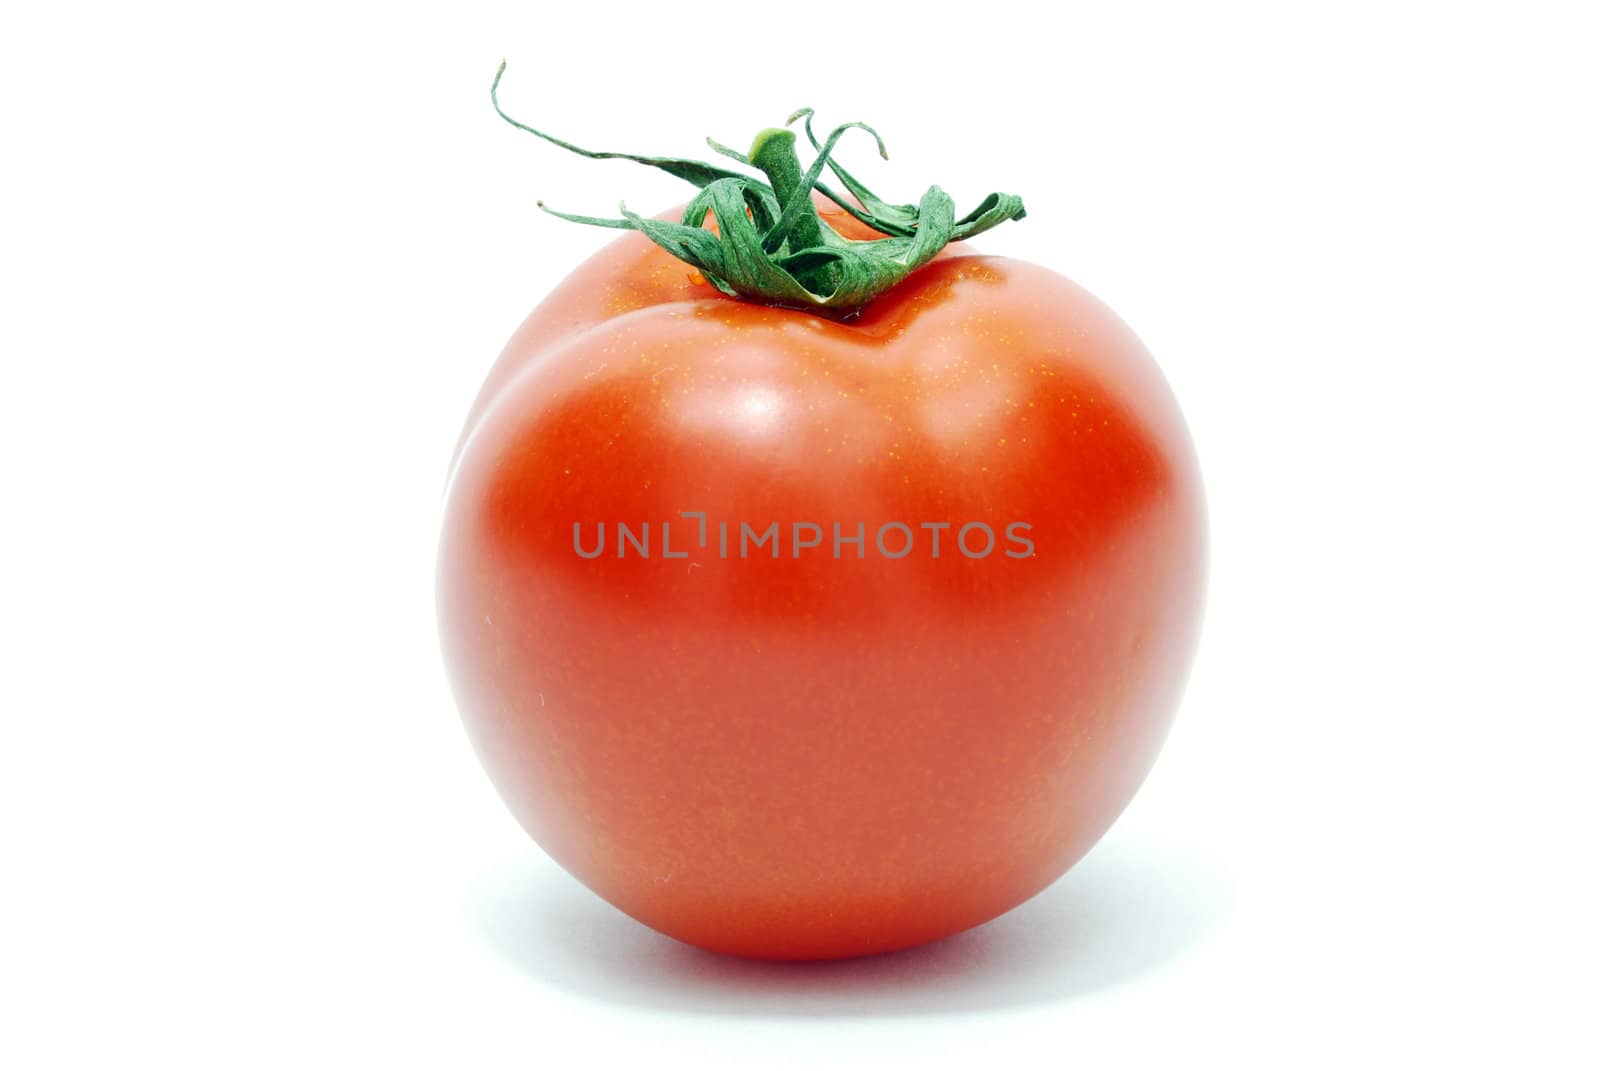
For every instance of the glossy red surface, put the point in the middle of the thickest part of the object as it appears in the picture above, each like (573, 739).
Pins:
(809, 757)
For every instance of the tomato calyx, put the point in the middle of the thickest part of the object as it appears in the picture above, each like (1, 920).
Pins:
(770, 245)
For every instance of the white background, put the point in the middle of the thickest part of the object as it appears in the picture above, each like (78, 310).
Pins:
(255, 261)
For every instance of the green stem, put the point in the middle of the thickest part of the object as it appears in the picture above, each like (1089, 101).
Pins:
(771, 246)
(773, 152)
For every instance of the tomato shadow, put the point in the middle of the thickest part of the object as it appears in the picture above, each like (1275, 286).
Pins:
(1124, 911)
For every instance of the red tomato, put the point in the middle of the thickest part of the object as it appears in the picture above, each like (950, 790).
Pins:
(842, 749)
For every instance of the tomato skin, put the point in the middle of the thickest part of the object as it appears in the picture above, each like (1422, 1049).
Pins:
(816, 757)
